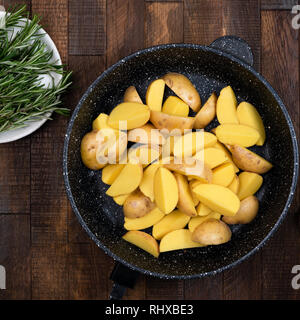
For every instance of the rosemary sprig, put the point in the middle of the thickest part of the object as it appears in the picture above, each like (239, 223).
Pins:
(23, 61)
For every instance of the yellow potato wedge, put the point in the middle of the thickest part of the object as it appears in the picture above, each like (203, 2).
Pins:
(220, 146)
(101, 122)
(212, 232)
(147, 221)
(237, 134)
(137, 205)
(212, 157)
(169, 122)
(146, 134)
(177, 240)
(127, 181)
(207, 113)
(203, 210)
(194, 197)
(132, 114)
(142, 240)
(218, 198)
(235, 185)
(131, 95)
(223, 175)
(168, 147)
(175, 106)
(226, 106)
(143, 153)
(247, 212)
(196, 221)
(110, 172)
(121, 199)
(250, 183)
(165, 190)
(173, 221)
(249, 161)
(248, 115)
(155, 94)
(185, 200)
(147, 183)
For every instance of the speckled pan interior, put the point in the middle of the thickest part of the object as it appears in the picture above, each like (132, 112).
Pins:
(210, 70)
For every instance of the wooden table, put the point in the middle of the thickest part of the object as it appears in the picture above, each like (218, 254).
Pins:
(42, 246)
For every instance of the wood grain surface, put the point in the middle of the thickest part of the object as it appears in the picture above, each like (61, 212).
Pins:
(46, 253)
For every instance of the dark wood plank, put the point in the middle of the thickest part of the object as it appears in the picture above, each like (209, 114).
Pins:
(163, 23)
(159, 289)
(278, 4)
(163, 0)
(15, 256)
(125, 25)
(280, 65)
(10, 3)
(87, 27)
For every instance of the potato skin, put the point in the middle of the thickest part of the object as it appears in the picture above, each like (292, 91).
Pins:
(207, 113)
(247, 212)
(137, 205)
(88, 151)
(131, 95)
(212, 232)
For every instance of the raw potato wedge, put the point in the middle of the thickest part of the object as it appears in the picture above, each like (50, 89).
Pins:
(185, 200)
(212, 232)
(218, 198)
(131, 95)
(127, 181)
(184, 89)
(146, 134)
(101, 122)
(175, 106)
(110, 172)
(223, 175)
(207, 113)
(88, 150)
(169, 122)
(212, 157)
(121, 199)
(247, 212)
(203, 210)
(191, 167)
(144, 222)
(155, 94)
(132, 114)
(250, 182)
(235, 185)
(248, 115)
(249, 161)
(173, 221)
(220, 146)
(191, 142)
(165, 190)
(226, 106)
(143, 153)
(147, 183)
(194, 197)
(178, 239)
(196, 221)
(137, 205)
(143, 240)
(237, 134)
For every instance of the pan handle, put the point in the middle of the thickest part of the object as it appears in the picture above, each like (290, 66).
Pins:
(123, 278)
(236, 47)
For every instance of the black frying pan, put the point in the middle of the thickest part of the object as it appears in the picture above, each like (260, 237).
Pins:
(227, 61)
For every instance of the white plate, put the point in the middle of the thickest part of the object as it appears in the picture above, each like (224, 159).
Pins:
(33, 125)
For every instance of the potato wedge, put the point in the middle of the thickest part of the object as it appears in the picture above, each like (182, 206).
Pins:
(237, 134)
(137, 205)
(132, 114)
(184, 89)
(88, 150)
(207, 113)
(250, 183)
(185, 200)
(223, 175)
(177, 240)
(121, 199)
(176, 107)
(226, 106)
(142, 240)
(196, 221)
(150, 219)
(247, 212)
(110, 172)
(101, 122)
(203, 210)
(218, 198)
(220, 146)
(248, 115)
(147, 183)
(169, 122)
(212, 232)
(194, 197)
(235, 185)
(212, 157)
(127, 181)
(143, 153)
(249, 161)
(155, 94)
(146, 134)
(165, 190)
(131, 95)
(173, 221)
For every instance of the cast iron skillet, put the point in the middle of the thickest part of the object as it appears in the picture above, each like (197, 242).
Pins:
(227, 61)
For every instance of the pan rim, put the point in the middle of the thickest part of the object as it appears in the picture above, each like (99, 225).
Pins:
(291, 191)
